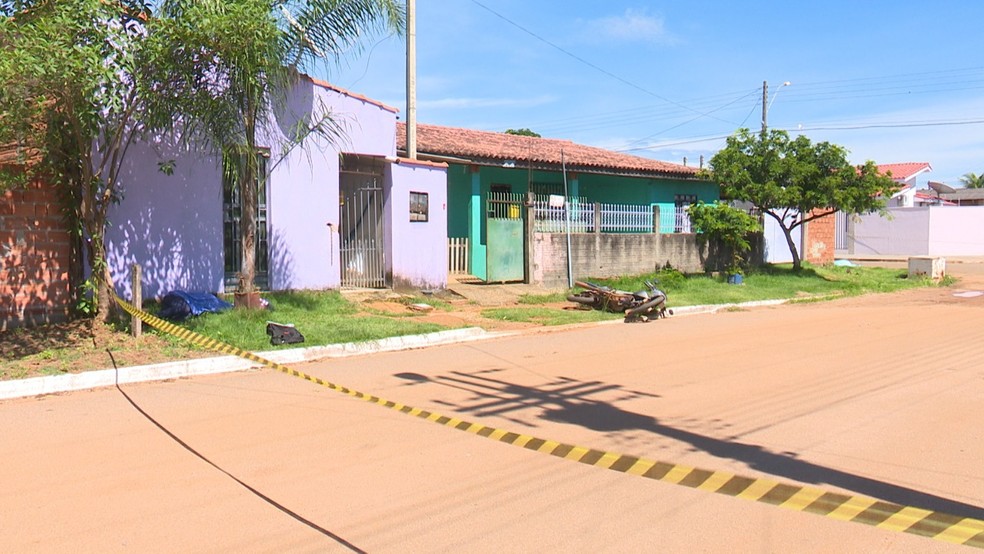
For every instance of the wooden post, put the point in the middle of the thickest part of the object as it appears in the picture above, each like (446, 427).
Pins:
(136, 300)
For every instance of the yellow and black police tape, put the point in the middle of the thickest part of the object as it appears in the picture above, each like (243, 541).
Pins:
(859, 509)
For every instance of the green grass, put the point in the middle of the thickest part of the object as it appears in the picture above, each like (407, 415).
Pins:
(548, 316)
(771, 283)
(322, 317)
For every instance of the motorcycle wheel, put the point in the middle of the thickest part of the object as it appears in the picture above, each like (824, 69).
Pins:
(645, 307)
(584, 299)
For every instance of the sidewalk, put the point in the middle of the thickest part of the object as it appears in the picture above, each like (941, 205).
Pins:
(493, 294)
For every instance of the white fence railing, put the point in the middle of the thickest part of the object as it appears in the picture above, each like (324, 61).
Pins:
(552, 217)
(458, 255)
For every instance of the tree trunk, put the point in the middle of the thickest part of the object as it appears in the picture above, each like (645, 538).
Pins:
(788, 233)
(797, 263)
(247, 271)
(102, 281)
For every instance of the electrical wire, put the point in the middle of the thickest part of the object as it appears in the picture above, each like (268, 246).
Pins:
(589, 64)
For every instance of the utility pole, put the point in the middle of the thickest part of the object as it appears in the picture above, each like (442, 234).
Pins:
(411, 80)
(765, 105)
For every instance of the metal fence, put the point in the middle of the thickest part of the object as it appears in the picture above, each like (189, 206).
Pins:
(552, 217)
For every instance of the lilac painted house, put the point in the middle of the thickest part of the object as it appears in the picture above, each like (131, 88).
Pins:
(342, 213)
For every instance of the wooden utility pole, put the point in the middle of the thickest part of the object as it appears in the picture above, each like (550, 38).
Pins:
(411, 79)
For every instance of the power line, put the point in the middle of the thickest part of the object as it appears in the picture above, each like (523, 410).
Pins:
(589, 64)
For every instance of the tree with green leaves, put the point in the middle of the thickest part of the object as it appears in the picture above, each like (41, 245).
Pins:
(230, 64)
(524, 132)
(71, 103)
(973, 180)
(729, 226)
(795, 181)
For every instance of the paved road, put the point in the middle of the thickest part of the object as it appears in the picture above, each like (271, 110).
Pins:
(878, 396)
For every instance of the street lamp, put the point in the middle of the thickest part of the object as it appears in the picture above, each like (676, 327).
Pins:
(766, 104)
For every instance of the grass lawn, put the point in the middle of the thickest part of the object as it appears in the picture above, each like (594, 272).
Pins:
(770, 283)
(322, 317)
(328, 317)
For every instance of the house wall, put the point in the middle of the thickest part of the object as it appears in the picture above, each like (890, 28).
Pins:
(467, 189)
(172, 225)
(35, 254)
(409, 265)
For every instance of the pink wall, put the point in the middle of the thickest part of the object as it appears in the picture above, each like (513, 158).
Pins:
(920, 231)
(417, 253)
(172, 225)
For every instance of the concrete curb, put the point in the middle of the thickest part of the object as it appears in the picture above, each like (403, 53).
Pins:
(221, 364)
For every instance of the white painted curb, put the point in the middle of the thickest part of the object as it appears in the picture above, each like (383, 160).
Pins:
(222, 364)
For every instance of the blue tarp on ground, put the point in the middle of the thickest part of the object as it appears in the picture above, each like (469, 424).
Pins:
(179, 304)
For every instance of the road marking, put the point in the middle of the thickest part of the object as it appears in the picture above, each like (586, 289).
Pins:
(858, 509)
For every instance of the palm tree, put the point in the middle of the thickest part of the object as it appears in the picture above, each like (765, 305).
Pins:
(230, 62)
(973, 180)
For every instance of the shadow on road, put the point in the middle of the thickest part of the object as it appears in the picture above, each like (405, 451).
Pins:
(567, 401)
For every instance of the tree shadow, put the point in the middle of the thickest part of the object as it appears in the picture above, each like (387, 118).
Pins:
(566, 400)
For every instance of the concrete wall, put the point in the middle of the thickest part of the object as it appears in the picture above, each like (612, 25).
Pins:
(919, 231)
(956, 231)
(172, 225)
(610, 255)
(35, 255)
(904, 232)
(411, 263)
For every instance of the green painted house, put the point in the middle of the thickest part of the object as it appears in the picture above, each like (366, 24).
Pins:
(485, 165)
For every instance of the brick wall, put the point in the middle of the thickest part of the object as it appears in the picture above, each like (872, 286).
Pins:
(35, 254)
(820, 240)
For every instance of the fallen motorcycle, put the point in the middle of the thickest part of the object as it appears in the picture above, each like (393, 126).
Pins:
(642, 305)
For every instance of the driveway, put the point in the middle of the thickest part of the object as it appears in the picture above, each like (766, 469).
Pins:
(878, 396)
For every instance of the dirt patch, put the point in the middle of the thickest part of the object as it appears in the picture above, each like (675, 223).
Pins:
(84, 345)
(81, 345)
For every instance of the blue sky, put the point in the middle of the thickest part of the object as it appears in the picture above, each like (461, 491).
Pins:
(890, 81)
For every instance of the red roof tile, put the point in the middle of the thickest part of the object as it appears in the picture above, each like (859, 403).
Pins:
(501, 147)
(904, 171)
(340, 90)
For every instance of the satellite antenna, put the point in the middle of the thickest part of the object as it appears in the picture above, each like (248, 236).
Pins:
(941, 188)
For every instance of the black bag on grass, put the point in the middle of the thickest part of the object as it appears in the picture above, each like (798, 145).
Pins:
(281, 333)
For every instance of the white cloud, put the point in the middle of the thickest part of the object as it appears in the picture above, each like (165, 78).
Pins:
(632, 26)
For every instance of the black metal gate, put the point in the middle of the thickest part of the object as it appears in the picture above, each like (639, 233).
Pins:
(361, 222)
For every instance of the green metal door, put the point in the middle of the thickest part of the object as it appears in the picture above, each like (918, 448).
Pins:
(504, 225)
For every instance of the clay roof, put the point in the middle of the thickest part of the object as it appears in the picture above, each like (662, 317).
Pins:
(904, 171)
(350, 94)
(486, 147)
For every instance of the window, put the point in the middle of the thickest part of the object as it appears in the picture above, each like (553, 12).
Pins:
(418, 206)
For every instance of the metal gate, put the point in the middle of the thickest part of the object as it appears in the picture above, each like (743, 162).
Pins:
(504, 246)
(361, 223)
(840, 230)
